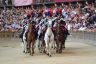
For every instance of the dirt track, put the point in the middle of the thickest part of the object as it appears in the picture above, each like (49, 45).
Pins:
(75, 53)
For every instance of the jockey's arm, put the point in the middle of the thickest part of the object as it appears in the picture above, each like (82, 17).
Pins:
(54, 18)
(39, 23)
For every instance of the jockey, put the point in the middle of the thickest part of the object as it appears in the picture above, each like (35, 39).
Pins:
(24, 32)
(33, 13)
(25, 22)
(55, 12)
(38, 17)
(41, 26)
(65, 14)
(63, 26)
(47, 12)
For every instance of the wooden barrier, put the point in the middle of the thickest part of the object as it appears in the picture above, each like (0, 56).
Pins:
(5, 34)
(78, 35)
(82, 36)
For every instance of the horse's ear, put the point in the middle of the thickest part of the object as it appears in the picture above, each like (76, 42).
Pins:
(62, 22)
(33, 22)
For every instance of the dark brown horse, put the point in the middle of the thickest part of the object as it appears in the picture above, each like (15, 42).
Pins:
(31, 37)
(60, 36)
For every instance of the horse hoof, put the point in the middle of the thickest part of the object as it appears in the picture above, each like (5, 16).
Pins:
(24, 52)
(49, 55)
(40, 51)
(60, 52)
(63, 47)
(56, 51)
(54, 48)
(44, 51)
(28, 52)
(31, 54)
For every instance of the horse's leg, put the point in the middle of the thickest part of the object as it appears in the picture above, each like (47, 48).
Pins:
(65, 37)
(52, 41)
(47, 40)
(22, 45)
(57, 48)
(47, 47)
(43, 46)
(63, 45)
(39, 40)
(32, 47)
(25, 46)
(28, 46)
(53, 44)
(40, 46)
(60, 49)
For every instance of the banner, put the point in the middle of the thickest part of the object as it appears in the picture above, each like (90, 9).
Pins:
(21, 2)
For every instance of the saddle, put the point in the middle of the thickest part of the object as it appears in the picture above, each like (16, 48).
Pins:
(64, 30)
(35, 31)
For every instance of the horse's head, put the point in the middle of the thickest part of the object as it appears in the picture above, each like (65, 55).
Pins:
(31, 26)
(61, 22)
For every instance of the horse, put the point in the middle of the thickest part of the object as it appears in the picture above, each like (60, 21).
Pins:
(31, 37)
(24, 38)
(61, 34)
(40, 38)
(49, 38)
(41, 32)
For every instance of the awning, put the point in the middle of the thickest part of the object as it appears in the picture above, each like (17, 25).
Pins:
(21, 2)
(67, 0)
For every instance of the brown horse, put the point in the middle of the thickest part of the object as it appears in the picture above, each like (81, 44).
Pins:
(31, 38)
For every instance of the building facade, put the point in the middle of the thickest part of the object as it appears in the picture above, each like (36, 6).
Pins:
(53, 1)
(9, 2)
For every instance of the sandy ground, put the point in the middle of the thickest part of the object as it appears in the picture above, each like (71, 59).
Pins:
(75, 53)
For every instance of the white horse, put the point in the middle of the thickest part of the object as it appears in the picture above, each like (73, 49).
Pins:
(24, 40)
(49, 38)
(40, 38)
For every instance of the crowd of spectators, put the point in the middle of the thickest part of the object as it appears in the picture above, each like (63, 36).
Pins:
(78, 17)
